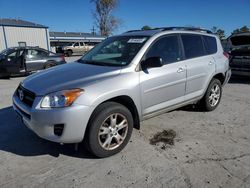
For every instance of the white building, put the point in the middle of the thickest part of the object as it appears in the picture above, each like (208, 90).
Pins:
(16, 32)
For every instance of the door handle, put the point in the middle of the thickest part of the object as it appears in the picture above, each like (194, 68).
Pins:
(211, 63)
(180, 70)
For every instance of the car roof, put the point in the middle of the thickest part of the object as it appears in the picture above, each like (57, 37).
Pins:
(152, 32)
(26, 47)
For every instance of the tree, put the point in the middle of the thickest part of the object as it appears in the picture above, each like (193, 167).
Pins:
(146, 27)
(244, 29)
(219, 32)
(105, 21)
(214, 29)
(236, 31)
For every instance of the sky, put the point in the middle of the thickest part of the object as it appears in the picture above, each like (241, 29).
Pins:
(76, 15)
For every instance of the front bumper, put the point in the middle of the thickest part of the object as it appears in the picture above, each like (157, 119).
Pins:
(42, 121)
(241, 71)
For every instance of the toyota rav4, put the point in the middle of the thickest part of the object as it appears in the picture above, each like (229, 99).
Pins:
(126, 79)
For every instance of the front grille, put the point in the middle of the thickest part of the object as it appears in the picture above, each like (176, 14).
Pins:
(26, 96)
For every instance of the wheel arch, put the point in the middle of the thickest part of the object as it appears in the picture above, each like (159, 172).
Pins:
(123, 100)
(221, 77)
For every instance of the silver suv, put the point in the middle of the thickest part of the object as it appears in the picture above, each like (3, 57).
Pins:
(127, 78)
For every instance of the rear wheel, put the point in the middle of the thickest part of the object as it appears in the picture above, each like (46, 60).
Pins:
(109, 130)
(212, 97)
(69, 53)
(49, 65)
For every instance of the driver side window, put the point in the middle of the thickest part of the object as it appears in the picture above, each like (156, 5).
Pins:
(167, 48)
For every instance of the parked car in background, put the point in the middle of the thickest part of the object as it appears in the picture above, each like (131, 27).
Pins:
(240, 54)
(76, 48)
(24, 60)
(122, 81)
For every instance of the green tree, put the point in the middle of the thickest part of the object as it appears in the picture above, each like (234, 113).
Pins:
(219, 32)
(105, 21)
(236, 31)
(244, 29)
(146, 27)
(214, 29)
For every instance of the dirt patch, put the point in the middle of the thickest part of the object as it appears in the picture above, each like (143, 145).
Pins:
(166, 137)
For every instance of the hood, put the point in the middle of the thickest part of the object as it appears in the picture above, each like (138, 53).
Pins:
(67, 76)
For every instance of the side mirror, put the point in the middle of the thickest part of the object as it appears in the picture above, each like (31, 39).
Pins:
(2, 57)
(152, 62)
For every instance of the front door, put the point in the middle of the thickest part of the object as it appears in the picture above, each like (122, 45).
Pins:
(14, 62)
(163, 86)
(35, 59)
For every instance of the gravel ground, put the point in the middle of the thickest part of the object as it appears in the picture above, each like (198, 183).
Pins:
(210, 150)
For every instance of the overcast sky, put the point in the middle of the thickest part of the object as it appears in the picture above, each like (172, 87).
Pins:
(76, 15)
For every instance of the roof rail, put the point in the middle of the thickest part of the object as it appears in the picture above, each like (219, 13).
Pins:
(130, 31)
(176, 28)
(186, 29)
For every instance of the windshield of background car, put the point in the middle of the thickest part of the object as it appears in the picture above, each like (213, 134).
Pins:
(240, 40)
(115, 51)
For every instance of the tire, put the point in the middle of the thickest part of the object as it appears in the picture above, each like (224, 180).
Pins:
(69, 53)
(102, 135)
(49, 65)
(212, 97)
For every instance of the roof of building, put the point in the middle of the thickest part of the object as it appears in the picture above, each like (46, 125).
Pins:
(19, 23)
(73, 35)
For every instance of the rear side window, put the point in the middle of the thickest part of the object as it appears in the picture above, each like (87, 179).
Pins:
(210, 44)
(193, 46)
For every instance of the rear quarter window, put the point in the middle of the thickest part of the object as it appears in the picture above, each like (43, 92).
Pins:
(210, 44)
(193, 45)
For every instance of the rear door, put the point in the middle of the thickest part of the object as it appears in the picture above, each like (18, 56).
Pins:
(36, 59)
(200, 66)
(164, 86)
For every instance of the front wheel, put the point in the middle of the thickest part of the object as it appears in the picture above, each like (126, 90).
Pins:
(110, 129)
(212, 97)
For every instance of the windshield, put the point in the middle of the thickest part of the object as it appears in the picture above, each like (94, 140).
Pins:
(240, 40)
(6, 51)
(115, 51)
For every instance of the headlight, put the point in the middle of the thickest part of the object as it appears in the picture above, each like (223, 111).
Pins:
(61, 98)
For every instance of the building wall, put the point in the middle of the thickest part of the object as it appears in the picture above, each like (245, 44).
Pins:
(32, 37)
(2, 42)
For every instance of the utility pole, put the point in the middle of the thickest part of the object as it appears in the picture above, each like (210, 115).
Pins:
(93, 30)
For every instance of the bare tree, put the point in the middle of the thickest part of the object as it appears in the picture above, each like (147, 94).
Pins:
(105, 21)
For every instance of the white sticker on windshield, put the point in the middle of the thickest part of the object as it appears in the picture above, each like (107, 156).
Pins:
(137, 40)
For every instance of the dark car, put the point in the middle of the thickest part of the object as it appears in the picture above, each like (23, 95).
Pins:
(240, 54)
(24, 60)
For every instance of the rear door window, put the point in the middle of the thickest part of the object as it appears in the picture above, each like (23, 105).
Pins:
(193, 45)
(210, 44)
